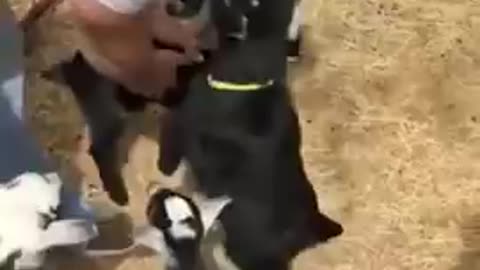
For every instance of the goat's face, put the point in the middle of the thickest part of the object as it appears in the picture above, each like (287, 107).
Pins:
(33, 195)
(175, 215)
(178, 218)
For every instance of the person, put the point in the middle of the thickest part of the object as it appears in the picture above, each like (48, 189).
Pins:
(20, 153)
(121, 32)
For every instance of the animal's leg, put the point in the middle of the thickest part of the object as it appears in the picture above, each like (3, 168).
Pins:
(104, 151)
(248, 260)
(99, 100)
(171, 150)
(250, 242)
(106, 126)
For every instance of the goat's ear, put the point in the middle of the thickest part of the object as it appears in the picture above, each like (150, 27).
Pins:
(171, 144)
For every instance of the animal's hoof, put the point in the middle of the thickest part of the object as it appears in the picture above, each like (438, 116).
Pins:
(120, 198)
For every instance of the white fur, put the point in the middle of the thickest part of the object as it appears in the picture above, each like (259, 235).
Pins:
(21, 210)
(210, 208)
(178, 210)
(295, 23)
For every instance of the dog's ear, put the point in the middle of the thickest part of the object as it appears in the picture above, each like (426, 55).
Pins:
(78, 57)
(171, 144)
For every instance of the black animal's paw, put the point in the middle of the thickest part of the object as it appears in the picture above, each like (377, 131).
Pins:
(120, 197)
(115, 187)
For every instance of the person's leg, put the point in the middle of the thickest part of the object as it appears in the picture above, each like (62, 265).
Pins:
(19, 150)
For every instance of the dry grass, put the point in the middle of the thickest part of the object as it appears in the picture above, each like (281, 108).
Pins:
(388, 99)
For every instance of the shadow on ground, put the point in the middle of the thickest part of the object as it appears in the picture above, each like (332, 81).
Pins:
(470, 233)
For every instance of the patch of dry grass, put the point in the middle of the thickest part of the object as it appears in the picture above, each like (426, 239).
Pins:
(393, 140)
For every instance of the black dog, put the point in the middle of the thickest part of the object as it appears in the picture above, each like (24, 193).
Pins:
(246, 145)
(241, 137)
(103, 104)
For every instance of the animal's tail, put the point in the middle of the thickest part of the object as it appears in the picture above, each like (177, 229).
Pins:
(324, 228)
(319, 229)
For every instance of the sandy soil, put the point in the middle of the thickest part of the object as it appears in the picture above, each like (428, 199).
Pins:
(387, 94)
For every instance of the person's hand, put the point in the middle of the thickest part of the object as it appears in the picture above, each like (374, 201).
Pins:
(151, 79)
(123, 47)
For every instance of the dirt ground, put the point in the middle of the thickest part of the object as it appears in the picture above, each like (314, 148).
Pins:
(388, 94)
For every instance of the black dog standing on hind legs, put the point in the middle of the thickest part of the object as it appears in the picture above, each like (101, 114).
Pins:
(241, 137)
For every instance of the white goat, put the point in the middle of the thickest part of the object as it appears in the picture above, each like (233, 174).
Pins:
(27, 204)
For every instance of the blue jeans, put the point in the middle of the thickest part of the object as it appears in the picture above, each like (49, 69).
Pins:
(19, 150)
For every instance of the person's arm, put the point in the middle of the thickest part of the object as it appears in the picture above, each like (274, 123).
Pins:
(125, 40)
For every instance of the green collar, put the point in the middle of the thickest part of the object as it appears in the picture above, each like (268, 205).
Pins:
(237, 87)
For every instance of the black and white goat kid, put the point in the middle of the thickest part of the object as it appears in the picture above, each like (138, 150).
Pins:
(179, 219)
(28, 204)
(183, 223)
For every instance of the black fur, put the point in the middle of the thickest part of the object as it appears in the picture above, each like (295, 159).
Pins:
(246, 145)
(103, 103)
